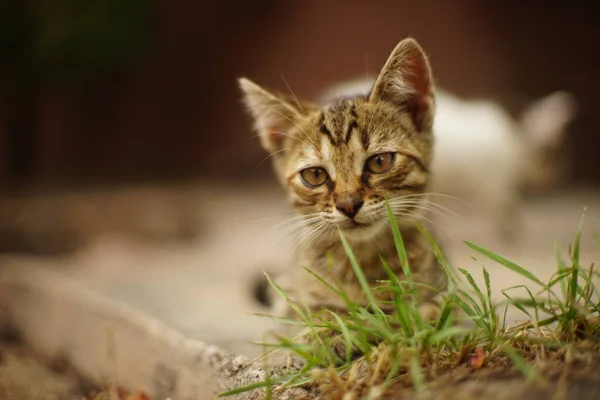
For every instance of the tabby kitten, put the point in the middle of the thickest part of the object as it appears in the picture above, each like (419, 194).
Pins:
(338, 164)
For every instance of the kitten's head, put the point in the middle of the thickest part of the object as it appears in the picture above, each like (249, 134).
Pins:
(338, 162)
(543, 130)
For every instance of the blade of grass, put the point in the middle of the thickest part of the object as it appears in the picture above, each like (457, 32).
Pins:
(503, 261)
(575, 258)
(364, 284)
(519, 304)
(397, 363)
(303, 350)
(399, 242)
(305, 318)
(476, 309)
(282, 320)
(518, 361)
(416, 373)
(453, 279)
(401, 308)
(561, 267)
(284, 296)
(476, 289)
(327, 284)
(454, 331)
(258, 385)
(488, 287)
(465, 306)
(381, 328)
(493, 316)
(348, 339)
(446, 313)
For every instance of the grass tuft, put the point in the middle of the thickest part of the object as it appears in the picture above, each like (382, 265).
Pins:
(380, 350)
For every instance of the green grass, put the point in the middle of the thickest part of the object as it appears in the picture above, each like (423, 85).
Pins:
(381, 349)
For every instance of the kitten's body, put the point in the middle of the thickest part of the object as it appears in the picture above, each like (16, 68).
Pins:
(482, 155)
(338, 164)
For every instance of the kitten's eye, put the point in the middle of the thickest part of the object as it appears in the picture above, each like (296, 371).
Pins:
(314, 176)
(379, 163)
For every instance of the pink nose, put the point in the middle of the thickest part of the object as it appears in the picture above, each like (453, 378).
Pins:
(349, 206)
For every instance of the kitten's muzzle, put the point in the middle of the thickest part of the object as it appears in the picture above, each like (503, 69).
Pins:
(349, 206)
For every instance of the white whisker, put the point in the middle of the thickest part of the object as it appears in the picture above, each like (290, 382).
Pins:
(294, 96)
(306, 234)
(272, 154)
(426, 206)
(299, 224)
(296, 218)
(405, 206)
(293, 122)
(315, 234)
(406, 215)
(289, 136)
(427, 194)
(296, 223)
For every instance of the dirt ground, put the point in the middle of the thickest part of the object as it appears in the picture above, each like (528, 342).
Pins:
(578, 382)
(23, 377)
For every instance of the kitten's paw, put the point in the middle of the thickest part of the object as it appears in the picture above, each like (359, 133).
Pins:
(260, 291)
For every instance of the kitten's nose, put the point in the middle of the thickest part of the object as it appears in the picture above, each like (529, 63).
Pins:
(349, 206)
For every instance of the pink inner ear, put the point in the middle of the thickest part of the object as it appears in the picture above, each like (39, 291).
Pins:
(416, 75)
(420, 109)
(274, 137)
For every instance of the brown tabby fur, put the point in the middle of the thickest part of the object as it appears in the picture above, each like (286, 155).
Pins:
(396, 117)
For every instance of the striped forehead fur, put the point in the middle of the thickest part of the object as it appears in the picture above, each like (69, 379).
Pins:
(376, 128)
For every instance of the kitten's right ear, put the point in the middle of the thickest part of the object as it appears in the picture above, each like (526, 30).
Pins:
(406, 81)
(273, 115)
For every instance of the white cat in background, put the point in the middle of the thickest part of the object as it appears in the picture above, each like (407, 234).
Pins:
(484, 156)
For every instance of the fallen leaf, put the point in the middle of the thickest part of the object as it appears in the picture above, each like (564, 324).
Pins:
(478, 358)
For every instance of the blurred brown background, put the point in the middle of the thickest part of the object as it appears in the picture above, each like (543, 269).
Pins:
(133, 91)
(107, 105)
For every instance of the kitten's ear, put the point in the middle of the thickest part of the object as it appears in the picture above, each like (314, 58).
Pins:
(406, 81)
(273, 115)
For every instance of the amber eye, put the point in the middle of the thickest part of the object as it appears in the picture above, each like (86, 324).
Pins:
(379, 163)
(314, 176)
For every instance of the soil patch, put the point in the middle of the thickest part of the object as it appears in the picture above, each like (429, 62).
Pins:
(22, 377)
(556, 379)
(25, 377)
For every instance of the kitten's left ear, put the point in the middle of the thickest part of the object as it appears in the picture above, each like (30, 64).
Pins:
(273, 115)
(406, 81)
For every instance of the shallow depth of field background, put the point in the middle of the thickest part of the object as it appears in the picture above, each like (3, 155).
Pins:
(131, 91)
(127, 160)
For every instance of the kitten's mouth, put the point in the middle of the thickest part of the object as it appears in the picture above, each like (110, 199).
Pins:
(360, 230)
(352, 224)
(357, 225)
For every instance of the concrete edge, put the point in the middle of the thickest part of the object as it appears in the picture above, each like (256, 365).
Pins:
(107, 341)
